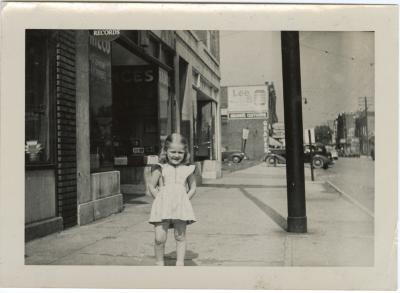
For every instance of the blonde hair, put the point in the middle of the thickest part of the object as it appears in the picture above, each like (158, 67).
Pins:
(175, 138)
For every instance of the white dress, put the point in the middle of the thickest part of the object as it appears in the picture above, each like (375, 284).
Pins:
(172, 202)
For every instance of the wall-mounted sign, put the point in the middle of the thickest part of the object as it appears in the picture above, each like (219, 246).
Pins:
(247, 102)
(134, 74)
(247, 115)
(138, 150)
(279, 126)
(105, 35)
(100, 45)
(245, 133)
(279, 132)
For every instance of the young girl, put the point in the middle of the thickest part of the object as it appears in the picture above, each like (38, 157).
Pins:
(172, 185)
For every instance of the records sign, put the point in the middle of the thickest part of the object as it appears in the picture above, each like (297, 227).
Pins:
(105, 34)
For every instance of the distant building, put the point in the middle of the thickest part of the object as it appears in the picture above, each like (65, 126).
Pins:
(252, 107)
(354, 133)
(346, 138)
(365, 131)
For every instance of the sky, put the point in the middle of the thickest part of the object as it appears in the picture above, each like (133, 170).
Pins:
(337, 69)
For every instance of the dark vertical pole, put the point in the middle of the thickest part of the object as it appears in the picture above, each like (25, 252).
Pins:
(366, 124)
(311, 155)
(268, 118)
(297, 220)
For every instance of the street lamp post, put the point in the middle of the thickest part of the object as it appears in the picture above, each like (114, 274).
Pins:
(297, 220)
(366, 123)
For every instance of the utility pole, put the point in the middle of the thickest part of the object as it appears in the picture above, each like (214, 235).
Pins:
(268, 117)
(311, 155)
(297, 219)
(366, 123)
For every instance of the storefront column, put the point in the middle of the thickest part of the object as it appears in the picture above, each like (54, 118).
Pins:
(82, 123)
(218, 129)
(99, 189)
(176, 96)
(187, 109)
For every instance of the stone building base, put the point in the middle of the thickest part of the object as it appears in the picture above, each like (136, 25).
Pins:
(106, 198)
(43, 228)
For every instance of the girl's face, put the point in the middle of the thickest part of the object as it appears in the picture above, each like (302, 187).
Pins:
(175, 153)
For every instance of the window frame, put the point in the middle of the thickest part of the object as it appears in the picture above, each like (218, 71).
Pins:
(51, 40)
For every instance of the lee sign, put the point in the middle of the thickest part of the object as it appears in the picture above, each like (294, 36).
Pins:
(249, 100)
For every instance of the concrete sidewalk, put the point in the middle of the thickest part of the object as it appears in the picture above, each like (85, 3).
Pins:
(241, 222)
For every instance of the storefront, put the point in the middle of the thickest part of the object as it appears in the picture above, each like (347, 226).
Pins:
(131, 113)
(98, 109)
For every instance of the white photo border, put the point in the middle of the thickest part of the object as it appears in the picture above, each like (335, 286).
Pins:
(16, 17)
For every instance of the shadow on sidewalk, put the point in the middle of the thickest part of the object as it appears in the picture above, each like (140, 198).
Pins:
(170, 258)
(135, 199)
(270, 212)
(224, 185)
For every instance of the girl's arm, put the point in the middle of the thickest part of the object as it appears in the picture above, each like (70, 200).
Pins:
(155, 177)
(192, 186)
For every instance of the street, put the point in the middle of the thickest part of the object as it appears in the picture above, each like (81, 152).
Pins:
(353, 176)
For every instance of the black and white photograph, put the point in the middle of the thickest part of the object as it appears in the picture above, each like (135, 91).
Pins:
(215, 148)
(201, 148)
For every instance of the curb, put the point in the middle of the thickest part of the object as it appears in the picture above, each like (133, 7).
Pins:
(351, 199)
(314, 182)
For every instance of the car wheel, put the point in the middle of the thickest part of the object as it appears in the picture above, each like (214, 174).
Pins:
(318, 163)
(271, 161)
(236, 159)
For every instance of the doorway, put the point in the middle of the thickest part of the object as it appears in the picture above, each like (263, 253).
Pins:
(205, 130)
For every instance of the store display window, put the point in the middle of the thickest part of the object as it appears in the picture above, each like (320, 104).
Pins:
(39, 97)
(101, 136)
(142, 107)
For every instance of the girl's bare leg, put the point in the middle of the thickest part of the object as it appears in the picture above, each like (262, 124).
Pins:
(180, 237)
(161, 231)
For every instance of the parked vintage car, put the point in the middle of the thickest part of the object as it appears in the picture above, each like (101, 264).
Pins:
(234, 156)
(320, 158)
(333, 152)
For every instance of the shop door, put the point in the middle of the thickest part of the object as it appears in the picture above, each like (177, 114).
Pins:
(204, 131)
(135, 112)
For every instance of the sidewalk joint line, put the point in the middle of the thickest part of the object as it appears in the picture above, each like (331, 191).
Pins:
(93, 243)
